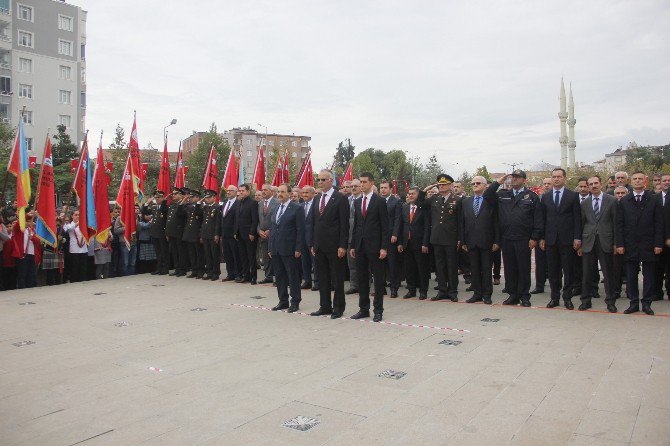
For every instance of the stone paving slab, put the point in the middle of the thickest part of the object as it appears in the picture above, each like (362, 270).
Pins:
(129, 361)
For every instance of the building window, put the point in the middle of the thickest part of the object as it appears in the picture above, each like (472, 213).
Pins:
(65, 96)
(65, 120)
(294, 154)
(248, 152)
(65, 72)
(26, 39)
(25, 65)
(293, 143)
(25, 91)
(29, 143)
(83, 51)
(4, 6)
(65, 23)
(25, 12)
(64, 47)
(83, 99)
(4, 112)
(5, 85)
(27, 117)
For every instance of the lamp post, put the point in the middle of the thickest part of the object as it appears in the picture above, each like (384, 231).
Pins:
(173, 122)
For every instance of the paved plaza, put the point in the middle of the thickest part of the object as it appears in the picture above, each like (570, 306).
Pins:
(166, 361)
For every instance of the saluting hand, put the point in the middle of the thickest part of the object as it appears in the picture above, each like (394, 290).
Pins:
(424, 250)
(543, 245)
(494, 248)
(297, 254)
(620, 250)
(532, 244)
(341, 252)
(400, 249)
(464, 248)
(657, 251)
(382, 254)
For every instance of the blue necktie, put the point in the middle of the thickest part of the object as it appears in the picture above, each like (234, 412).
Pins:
(280, 213)
(476, 205)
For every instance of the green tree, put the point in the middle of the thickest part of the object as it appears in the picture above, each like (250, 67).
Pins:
(197, 162)
(429, 173)
(483, 172)
(344, 153)
(63, 149)
(6, 140)
(118, 154)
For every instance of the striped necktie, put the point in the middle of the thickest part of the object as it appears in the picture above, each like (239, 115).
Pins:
(596, 208)
(477, 204)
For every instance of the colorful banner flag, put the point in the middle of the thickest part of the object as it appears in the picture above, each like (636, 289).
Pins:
(231, 174)
(18, 165)
(73, 166)
(180, 171)
(134, 150)
(211, 178)
(126, 199)
(307, 175)
(349, 173)
(32, 162)
(143, 173)
(164, 173)
(109, 167)
(240, 173)
(101, 182)
(82, 186)
(259, 169)
(45, 206)
(278, 176)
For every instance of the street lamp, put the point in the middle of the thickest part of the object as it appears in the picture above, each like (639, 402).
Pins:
(173, 122)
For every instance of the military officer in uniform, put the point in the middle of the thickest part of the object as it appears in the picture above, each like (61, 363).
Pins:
(174, 228)
(521, 226)
(445, 215)
(159, 210)
(209, 235)
(191, 235)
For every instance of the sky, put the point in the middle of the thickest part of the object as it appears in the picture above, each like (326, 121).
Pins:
(474, 82)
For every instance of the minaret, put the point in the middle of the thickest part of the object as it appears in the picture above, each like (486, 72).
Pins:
(571, 130)
(563, 116)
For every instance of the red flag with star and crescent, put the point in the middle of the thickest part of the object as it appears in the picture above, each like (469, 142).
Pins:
(211, 179)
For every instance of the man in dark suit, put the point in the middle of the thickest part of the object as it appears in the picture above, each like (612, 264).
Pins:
(329, 242)
(481, 237)
(562, 237)
(246, 223)
(394, 258)
(541, 256)
(369, 246)
(414, 243)
(174, 229)
(639, 237)
(210, 235)
(663, 270)
(191, 235)
(307, 259)
(285, 245)
(159, 211)
(583, 193)
(228, 242)
(598, 214)
(267, 207)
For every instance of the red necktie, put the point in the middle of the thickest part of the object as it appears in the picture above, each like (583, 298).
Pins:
(322, 206)
(365, 206)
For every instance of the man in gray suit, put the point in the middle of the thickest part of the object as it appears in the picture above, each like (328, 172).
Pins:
(351, 262)
(267, 207)
(598, 222)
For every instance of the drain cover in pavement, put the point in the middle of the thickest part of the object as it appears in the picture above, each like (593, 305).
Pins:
(22, 343)
(488, 319)
(450, 342)
(257, 297)
(26, 303)
(392, 374)
(98, 294)
(158, 284)
(301, 423)
(121, 324)
(199, 309)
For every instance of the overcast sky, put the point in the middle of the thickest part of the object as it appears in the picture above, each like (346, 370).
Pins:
(476, 82)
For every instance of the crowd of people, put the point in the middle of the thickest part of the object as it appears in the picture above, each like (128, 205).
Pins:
(320, 237)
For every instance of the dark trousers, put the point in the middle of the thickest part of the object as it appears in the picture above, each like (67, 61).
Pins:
(393, 266)
(497, 262)
(480, 267)
(577, 276)
(516, 256)
(267, 262)
(561, 263)
(78, 267)
(590, 265)
(162, 254)
(178, 261)
(247, 251)
(231, 257)
(308, 264)
(366, 261)
(212, 254)
(446, 268)
(9, 279)
(331, 277)
(53, 276)
(464, 264)
(115, 265)
(26, 271)
(648, 282)
(184, 256)
(287, 275)
(417, 267)
(196, 257)
(618, 273)
(540, 268)
(663, 273)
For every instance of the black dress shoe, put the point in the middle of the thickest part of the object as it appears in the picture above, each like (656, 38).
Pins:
(214, 278)
(292, 309)
(552, 304)
(596, 296)
(631, 309)
(163, 273)
(394, 293)
(504, 290)
(239, 280)
(305, 286)
(409, 295)
(204, 277)
(227, 279)
(280, 307)
(469, 288)
(351, 291)
(611, 308)
(525, 303)
(266, 281)
(321, 312)
(511, 301)
(647, 310)
(569, 305)
(192, 276)
(315, 288)
(496, 281)
(454, 298)
(180, 274)
(439, 297)
(153, 273)
(361, 314)
(467, 280)
(537, 291)
(436, 288)
(252, 282)
(173, 273)
(423, 296)
(473, 300)
(584, 307)
(377, 318)
(487, 300)
(336, 315)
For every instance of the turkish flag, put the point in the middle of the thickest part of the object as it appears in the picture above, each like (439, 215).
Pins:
(211, 178)
(32, 162)
(73, 166)
(109, 166)
(259, 170)
(143, 174)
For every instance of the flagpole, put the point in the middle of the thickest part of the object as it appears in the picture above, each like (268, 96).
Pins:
(81, 155)
(39, 181)
(4, 187)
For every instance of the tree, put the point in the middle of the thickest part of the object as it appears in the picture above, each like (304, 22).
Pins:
(63, 149)
(466, 179)
(6, 141)
(118, 154)
(197, 162)
(343, 155)
(428, 175)
(483, 172)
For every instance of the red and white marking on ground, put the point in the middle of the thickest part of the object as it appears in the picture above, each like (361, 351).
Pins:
(154, 369)
(397, 324)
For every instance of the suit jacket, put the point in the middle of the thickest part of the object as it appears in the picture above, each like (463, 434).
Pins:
(419, 228)
(246, 218)
(639, 228)
(228, 220)
(372, 231)
(603, 227)
(265, 220)
(666, 216)
(309, 222)
(563, 225)
(287, 235)
(480, 231)
(393, 209)
(331, 230)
